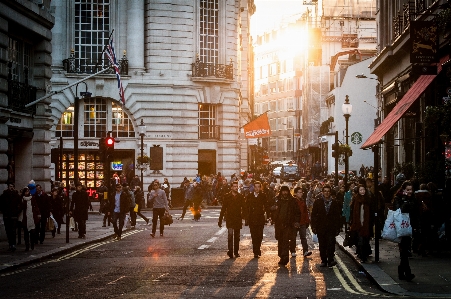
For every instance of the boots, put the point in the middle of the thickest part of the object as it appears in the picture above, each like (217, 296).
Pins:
(408, 274)
(401, 275)
(405, 275)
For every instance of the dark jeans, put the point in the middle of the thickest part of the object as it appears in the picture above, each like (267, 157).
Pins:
(81, 228)
(40, 230)
(157, 213)
(187, 204)
(302, 235)
(132, 216)
(29, 236)
(326, 247)
(142, 216)
(233, 240)
(120, 217)
(106, 217)
(257, 238)
(10, 228)
(283, 242)
(405, 247)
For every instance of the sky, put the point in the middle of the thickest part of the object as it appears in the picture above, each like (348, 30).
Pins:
(269, 13)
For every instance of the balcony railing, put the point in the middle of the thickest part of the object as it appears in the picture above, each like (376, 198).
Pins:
(222, 71)
(20, 94)
(409, 12)
(85, 66)
(209, 132)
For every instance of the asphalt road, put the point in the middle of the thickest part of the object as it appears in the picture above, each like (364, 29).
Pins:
(190, 261)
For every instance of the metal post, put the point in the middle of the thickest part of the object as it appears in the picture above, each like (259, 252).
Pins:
(76, 112)
(336, 162)
(376, 193)
(142, 157)
(346, 154)
(60, 172)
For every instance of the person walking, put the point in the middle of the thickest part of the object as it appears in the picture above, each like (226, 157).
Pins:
(160, 206)
(139, 199)
(44, 204)
(405, 200)
(304, 222)
(197, 200)
(326, 225)
(232, 209)
(79, 209)
(286, 215)
(188, 197)
(119, 206)
(102, 191)
(57, 204)
(28, 217)
(10, 206)
(255, 209)
(362, 210)
(126, 188)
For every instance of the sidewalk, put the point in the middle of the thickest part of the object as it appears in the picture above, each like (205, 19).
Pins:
(432, 273)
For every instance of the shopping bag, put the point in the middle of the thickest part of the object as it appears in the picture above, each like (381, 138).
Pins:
(136, 208)
(72, 223)
(389, 231)
(54, 222)
(315, 238)
(402, 224)
(49, 225)
(351, 239)
(127, 222)
(167, 219)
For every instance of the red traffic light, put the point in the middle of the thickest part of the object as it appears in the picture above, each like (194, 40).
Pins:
(109, 141)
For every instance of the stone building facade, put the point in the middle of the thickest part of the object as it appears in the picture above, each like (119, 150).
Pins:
(184, 71)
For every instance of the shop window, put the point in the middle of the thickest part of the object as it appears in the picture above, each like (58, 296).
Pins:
(121, 124)
(95, 117)
(65, 127)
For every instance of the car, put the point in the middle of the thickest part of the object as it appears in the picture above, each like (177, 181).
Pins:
(276, 171)
(289, 172)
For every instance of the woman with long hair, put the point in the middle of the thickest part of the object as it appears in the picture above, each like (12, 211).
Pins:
(28, 217)
(361, 221)
(405, 200)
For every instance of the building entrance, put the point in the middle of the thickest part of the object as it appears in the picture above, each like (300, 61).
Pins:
(206, 162)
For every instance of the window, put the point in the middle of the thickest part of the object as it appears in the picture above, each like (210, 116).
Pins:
(95, 113)
(19, 54)
(209, 31)
(273, 106)
(92, 29)
(122, 124)
(207, 122)
(65, 127)
(290, 104)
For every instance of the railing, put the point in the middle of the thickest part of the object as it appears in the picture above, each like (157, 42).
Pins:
(20, 94)
(85, 66)
(409, 12)
(201, 69)
(209, 132)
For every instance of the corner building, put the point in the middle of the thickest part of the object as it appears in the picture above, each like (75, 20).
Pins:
(184, 71)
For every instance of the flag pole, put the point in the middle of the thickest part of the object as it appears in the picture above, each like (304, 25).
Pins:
(103, 51)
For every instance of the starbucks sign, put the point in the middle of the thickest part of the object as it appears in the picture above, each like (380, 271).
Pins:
(356, 138)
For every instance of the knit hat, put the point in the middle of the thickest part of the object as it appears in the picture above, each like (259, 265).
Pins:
(284, 188)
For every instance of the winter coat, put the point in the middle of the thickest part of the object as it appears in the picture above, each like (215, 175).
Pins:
(287, 213)
(407, 204)
(139, 198)
(57, 205)
(233, 210)
(305, 217)
(325, 223)
(124, 203)
(30, 215)
(80, 205)
(10, 203)
(44, 204)
(363, 229)
(346, 210)
(255, 209)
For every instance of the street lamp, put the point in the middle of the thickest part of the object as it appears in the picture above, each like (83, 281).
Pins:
(346, 108)
(142, 132)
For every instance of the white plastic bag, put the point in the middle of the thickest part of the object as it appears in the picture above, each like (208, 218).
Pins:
(315, 238)
(402, 223)
(127, 222)
(389, 231)
(72, 223)
(54, 222)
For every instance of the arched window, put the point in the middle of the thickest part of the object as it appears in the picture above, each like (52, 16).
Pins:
(98, 117)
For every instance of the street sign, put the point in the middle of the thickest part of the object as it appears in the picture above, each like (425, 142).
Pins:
(265, 160)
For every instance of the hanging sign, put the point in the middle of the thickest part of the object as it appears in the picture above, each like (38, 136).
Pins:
(424, 42)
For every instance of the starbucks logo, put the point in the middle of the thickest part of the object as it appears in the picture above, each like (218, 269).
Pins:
(356, 138)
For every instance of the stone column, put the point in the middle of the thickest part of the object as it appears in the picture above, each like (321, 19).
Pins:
(4, 114)
(135, 35)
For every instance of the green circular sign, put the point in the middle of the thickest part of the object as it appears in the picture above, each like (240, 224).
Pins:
(356, 138)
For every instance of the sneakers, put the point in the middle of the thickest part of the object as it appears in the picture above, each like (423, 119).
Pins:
(230, 254)
(237, 255)
(331, 264)
(152, 235)
(307, 253)
(119, 238)
(293, 254)
(115, 236)
(283, 262)
(161, 235)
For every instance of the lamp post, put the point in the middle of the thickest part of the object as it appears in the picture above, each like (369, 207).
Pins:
(76, 113)
(142, 131)
(346, 108)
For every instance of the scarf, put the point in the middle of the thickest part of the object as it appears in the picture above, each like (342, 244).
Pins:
(28, 214)
(361, 216)
(327, 204)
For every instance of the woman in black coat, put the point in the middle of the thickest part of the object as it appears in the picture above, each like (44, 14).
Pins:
(57, 209)
(79, 209)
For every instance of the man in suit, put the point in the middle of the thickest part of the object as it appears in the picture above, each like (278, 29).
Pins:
(232, 209)
(256, 206)
(326, 224)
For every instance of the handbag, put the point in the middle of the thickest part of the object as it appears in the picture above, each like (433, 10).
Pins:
(351, 239)
(49, 226)
(389, 231)
(167, 219)
(402, 224)
(136, 210)
(55, 224)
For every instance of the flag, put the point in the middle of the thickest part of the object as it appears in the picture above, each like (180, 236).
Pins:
(112, 58)
(259, 127)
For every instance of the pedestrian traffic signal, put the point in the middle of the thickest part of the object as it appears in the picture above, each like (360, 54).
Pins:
(109, 142)
(335, 148)
(109, 148)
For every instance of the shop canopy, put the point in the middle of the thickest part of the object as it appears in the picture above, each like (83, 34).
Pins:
(403, 105)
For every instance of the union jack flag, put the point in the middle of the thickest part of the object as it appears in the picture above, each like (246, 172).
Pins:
(112, 58)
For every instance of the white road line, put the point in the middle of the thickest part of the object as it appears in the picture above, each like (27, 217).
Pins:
(221, 231)
(114, 281)
(212, 240)
(203, 246)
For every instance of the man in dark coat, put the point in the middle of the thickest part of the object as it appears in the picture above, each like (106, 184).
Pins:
(325, 223)
(232, 209)
(10, 203)
(44, 203)
(286, 215)
(256, 206)
(79, 209)
(119, 206)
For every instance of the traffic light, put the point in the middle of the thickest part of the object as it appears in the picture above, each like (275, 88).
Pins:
(102, 148)
(335, 148)
(109, 148)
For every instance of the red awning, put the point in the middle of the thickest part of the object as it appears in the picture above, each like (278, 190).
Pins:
(404, 104)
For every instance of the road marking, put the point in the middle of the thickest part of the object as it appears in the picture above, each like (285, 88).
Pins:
(114, 281)
(221, 231)
(157, 279)
(212, 240)
(203, 246)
